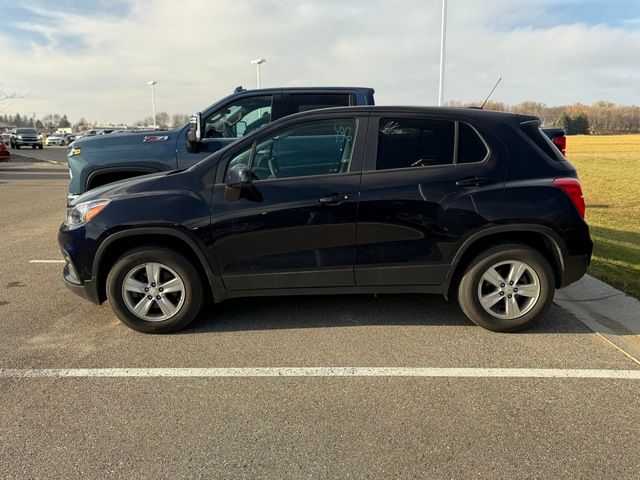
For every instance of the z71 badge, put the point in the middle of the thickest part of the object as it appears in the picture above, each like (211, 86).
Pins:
(156, 138)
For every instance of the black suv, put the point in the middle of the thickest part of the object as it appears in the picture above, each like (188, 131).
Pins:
(466, 203)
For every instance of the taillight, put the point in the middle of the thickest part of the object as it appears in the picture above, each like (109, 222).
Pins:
(571, 186)
(560, 141)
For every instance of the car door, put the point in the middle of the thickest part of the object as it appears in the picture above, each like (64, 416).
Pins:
(226, 124)
(427, 181)
(295, 226)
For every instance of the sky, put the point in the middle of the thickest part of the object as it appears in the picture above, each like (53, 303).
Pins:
(93, 59)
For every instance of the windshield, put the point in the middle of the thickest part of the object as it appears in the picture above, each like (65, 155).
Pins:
(26, 130)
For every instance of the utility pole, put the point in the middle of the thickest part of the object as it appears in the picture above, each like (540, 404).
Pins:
(257, 63)
(153, 100)
(443, 41)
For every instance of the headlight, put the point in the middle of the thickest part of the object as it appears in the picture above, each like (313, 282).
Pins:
(20, 137)
(81, 213)
(74, 151)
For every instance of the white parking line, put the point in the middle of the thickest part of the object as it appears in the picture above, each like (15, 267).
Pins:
(46, 261)
(322, 372)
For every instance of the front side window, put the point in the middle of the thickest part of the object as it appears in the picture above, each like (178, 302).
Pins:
(314, 148)
(239, 118)
(414, 142)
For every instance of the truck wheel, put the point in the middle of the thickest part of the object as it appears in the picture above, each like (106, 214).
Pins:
(507, 288)
(154, 290)
(39, 147)
(17, 147)
(33, 147)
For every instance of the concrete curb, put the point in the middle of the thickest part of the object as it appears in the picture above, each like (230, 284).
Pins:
(606, 310)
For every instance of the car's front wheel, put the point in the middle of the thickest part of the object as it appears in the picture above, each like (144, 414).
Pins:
(507, 288)
(154, 290)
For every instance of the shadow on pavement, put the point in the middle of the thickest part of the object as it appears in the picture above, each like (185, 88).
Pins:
(292, 312)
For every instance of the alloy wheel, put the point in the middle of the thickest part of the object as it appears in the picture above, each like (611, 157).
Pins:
(153, 292)
(509, 289)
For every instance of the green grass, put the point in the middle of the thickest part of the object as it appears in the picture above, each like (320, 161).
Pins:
(609, 170)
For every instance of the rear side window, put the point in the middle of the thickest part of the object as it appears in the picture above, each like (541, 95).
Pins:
(409, 142)
(305, 102)
(471, 148)
(538, 137)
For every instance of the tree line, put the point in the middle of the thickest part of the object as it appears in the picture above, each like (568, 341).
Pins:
(51, 122)
(600, 118)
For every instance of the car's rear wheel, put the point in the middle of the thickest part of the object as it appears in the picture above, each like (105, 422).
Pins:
(154, 290)
(507, 288)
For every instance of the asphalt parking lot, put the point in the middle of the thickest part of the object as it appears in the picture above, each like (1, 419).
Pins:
(326, 426)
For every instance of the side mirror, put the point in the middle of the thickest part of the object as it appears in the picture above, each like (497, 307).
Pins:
(194, 135)
(238, 178)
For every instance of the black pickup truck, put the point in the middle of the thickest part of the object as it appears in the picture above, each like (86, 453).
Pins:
(98, 160)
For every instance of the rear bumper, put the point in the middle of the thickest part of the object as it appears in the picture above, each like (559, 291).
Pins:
(575, 266)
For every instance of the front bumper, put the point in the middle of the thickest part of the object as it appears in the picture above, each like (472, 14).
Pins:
(86, 289)
(25, 143)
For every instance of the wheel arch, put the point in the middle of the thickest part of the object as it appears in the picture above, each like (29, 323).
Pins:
(119, 243)
(541, 238)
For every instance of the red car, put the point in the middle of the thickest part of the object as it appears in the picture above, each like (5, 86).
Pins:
(5, 155)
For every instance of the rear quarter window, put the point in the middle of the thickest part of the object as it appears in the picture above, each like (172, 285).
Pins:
(545, 144)
(471, 148)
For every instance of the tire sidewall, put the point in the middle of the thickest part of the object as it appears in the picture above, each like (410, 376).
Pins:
(184, 269)
(468, 290)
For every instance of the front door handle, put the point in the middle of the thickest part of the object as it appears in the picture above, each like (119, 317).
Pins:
(336, 199)
(471, 182)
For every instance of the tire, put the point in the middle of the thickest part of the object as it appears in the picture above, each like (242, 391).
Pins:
(39, 147)
(17, 147)
(504, 313)
(33, 147)
(134, 266)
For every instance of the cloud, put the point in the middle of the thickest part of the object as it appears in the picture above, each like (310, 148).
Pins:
(95, 63)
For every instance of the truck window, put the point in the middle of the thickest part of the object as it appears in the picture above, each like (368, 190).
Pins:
(305, 102)
(239, 117)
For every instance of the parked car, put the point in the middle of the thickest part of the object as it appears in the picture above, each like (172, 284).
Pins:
(100, 160)
(25, 137)
(5, 155)
(466, 203)
(59, 139)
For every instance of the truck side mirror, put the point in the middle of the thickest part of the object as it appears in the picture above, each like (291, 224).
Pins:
(238, 178)
(194, 135)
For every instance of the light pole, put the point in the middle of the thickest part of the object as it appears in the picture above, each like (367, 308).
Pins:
(257, 63)
(443, 40)
(153, 99)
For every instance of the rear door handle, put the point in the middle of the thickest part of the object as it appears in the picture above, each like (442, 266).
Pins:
(335, 199)
(471, 182)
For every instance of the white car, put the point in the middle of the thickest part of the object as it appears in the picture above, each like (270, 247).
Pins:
(59, 139)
